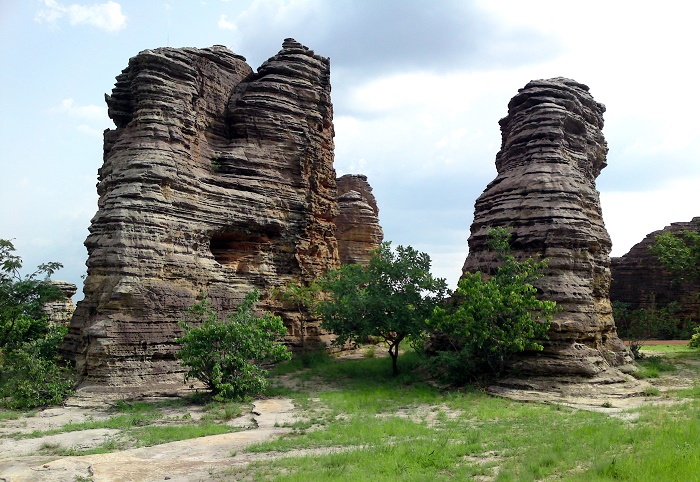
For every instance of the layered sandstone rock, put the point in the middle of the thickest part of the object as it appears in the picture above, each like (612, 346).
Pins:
(552, 151)
(216, 179)
(359, 232)
(60, 311)
(639, 279)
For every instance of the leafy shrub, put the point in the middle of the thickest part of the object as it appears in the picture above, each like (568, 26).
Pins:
(226, 354)
(492, 319)
(31, 380)
(695, 339)
(30, 372)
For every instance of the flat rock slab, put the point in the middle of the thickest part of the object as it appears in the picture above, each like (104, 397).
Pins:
(185, 460)
(592, 394)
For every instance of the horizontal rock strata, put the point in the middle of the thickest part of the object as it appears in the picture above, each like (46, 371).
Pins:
(552, 151)
(639, 279)
(60, 311)
(216, 180)
(359, 232)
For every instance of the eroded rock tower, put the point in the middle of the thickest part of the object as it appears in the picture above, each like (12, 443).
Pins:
(216, 180)
(552, 151)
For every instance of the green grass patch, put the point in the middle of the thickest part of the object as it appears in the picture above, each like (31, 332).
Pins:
(6, 414)
(160, 434)
(669, 349)
(145, 423)
(374, 426)
(653, 366)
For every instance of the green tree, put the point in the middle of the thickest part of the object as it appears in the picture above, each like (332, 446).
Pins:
(21, 297)
(680, 254)
(492, 318)
(226, 354)
(391, 298)
(30, 375)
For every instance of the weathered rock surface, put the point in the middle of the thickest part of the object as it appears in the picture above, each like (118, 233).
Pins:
(216, 179)
(639, 279)
(552, 151)
(359, 232)
(61, 311)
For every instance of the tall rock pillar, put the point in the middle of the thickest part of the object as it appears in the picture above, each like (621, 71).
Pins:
(216, 180)
(552, 151)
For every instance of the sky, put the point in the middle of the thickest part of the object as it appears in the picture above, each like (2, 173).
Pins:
(418, 89)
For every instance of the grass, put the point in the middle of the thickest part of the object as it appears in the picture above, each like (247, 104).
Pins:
(359, 422)
(669, 349)
(7, 414)
(653, 366)
(373, 426)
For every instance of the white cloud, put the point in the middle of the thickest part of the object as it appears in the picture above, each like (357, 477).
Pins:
(226, 24)
(630, 216)
(87, 112)
(89, 130)
(105, 16)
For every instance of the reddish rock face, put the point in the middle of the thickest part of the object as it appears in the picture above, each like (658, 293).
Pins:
(639, 279)
(359, 232)
(551, 154)
(216, 179)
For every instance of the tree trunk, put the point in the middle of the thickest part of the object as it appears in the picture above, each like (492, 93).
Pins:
(394, 352)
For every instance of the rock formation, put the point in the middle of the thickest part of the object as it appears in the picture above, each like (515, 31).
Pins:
(216, 179)
(552, 151)
(60, 311)
(639, 279)
(359, 232)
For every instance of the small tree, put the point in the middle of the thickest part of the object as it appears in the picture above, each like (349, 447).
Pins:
(391, 298)
(30, 375)
(226, 354)
(492, 318)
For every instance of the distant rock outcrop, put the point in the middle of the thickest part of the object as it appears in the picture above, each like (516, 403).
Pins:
(216, 179)
(552, 151)
(60, 311)
(359, 232)
(639, 279)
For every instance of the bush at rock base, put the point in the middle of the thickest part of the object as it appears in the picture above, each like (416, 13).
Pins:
(226, 354)
(491, 319)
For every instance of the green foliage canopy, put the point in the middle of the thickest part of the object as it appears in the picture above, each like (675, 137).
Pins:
(492, 318)
(391, 298)
(226, 354)
(679, 253)
(29, 373)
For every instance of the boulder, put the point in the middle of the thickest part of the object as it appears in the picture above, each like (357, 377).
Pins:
(552, 151)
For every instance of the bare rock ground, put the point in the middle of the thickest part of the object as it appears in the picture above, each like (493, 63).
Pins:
(186, 460)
